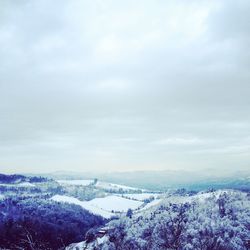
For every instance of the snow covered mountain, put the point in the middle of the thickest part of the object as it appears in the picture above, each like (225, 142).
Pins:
(207, 220)
(97, 214)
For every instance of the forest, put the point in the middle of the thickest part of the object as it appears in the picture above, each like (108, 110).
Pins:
(215, 223)
(37, 224)
(180, 220)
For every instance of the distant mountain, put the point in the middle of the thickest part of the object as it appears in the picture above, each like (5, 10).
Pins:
(162, 180)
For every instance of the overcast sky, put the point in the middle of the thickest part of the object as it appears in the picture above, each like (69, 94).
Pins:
(112, 85)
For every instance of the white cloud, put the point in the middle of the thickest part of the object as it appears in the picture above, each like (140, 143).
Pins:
(147, 83)
(181, 141)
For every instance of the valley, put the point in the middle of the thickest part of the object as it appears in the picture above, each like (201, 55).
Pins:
(93, 214)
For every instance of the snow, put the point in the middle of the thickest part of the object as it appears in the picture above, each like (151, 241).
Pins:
(107, 185)
(101, 206)
(1, 197)
(151, 204)
(26, 184)
(96, 210)
(76, 182)
(115, 203)
(140, 197)
(201, 196)
(102, 240)
(76, 246)
(84, 204)
(99, 184)
(22, 184)
(66, 199)
(90, 246)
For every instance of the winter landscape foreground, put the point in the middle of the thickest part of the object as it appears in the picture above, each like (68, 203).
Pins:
(74, 214)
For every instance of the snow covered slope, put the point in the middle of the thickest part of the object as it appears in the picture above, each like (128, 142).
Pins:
(151, 204)
(84, 204)
(76, 182)
(21, 184)
(112, 186)
(88, 246)
(115, 203)
(102, 206)
(141, 197)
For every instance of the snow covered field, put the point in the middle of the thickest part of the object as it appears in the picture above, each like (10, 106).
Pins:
(142, 196)
(115, 203)
(84, 204)
(99, 184)
(112, 186)
(112, 204)
(76, 182)
(102, 206)
(151, 204)
(119, 203)
(22, 184)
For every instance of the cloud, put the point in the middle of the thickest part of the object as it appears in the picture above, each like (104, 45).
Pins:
(180, 141)
(115, 85)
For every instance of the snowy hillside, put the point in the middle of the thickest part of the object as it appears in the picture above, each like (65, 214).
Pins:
(76, 182)
(142, 196)
(114, 199)
(84, 204)
(216, 220)
(115, 203)
(115, 187)
(114, 216)
(21, 184)
(105, 207)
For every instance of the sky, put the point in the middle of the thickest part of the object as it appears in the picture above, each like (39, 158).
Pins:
(112, 85)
